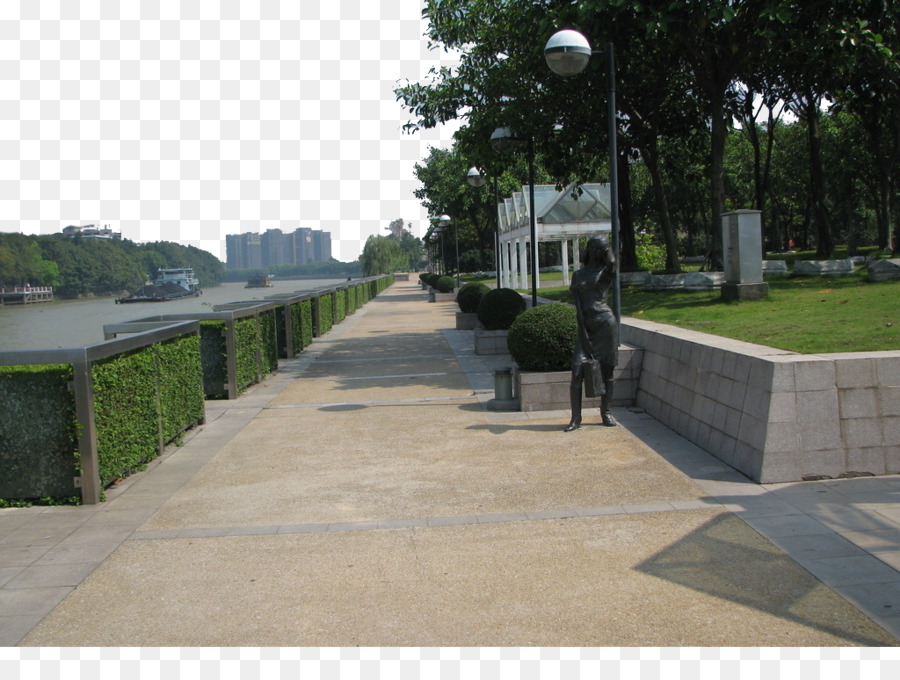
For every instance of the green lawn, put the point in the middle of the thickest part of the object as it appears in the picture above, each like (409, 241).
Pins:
(806, 315)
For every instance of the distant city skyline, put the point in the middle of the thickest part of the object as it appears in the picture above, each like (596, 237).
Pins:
(189, 122)
(274, 247)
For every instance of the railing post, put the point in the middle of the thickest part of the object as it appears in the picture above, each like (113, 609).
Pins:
(231, 359)
(87, 430)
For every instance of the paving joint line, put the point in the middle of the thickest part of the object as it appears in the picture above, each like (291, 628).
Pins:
(424, 522)
(381, 402)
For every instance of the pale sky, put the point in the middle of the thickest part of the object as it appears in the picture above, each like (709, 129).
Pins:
(189, 121)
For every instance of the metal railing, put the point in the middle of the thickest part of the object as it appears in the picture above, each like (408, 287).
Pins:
(82, 360)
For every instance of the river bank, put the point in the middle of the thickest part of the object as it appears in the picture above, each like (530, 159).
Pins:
(72, 323)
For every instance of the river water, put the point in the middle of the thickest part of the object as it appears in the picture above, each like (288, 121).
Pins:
(73, 323)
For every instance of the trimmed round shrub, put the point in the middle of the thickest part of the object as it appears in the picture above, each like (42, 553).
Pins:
(499, 307)
(445, 284)
(470, 295)
(543, 338)
(430, 278)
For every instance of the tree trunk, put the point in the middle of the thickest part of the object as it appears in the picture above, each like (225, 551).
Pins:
(651, 159)
(821, 220)
(717, 173)
(628, 254)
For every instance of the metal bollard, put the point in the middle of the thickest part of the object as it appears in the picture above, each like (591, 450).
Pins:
(503, 384)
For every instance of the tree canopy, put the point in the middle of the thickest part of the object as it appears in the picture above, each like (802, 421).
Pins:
(88, 266)
(686, 71)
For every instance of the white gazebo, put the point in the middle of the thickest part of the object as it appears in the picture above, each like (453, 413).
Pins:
(563, 216)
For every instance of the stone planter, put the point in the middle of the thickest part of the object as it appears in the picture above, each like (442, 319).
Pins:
(435, 296)
(467, 321)
(490, 342)
(550, 391)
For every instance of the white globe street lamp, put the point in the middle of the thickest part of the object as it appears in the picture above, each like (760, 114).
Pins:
(567, 53)
(475, 178)
(444, 221)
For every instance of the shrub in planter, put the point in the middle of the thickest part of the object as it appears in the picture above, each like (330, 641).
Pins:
(470, 295)
(543, 338)
(498, 308)
(445, 284)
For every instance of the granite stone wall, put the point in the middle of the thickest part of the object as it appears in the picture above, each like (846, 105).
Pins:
(774, 415)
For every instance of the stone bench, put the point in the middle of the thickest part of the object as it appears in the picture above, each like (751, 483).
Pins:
(824, 267)
(774, 267)
(884, 270)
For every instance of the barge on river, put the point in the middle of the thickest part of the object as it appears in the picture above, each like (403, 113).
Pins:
(261, 281)
(170, 284)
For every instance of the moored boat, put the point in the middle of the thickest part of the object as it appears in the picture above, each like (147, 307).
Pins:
(170, 284)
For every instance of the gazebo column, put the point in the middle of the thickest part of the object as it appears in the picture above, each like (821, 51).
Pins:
(565, 260)
(523, 264)
(504, 264)
(513, 264)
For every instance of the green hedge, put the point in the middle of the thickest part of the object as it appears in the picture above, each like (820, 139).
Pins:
(340, 302)
(543, 338)
(38, 433)
(326, 315)
(142, 401)
(302, 324)
(214, 359)
(247, 359)
(181, 400)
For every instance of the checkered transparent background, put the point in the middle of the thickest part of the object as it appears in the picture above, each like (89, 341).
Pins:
(450, 663)
(188, 120)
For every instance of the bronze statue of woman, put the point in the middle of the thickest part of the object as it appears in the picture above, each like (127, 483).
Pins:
(598, 333)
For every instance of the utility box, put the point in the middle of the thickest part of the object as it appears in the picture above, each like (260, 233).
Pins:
(742, 251)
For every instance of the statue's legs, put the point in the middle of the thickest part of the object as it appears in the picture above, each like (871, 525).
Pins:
(575, 401)
(606, 399)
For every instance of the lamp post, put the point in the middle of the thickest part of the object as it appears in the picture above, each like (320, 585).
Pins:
(444, 221)
(567, 53)
(439, 232)
(476, 179)
(499, 138)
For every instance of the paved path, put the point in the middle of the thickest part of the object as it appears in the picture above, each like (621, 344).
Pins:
(363, 495)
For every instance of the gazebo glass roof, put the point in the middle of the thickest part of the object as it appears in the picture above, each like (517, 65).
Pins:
(591, 206)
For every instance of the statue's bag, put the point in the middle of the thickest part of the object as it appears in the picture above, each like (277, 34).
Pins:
(593, 378)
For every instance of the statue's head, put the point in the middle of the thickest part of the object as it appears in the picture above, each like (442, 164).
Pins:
(597, 251)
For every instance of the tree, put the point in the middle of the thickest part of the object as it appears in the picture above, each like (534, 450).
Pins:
(410, 245)
(21, 261)
(872, 96)
(381, 255)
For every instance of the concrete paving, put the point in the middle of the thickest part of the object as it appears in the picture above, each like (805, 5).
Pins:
(364, 495)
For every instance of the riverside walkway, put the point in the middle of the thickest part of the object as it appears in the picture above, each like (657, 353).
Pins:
(363, 495)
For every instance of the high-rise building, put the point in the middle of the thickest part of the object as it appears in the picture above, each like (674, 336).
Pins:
(273, 247)
(321, 246)
(276, 248)
(303, 250)
(243, 251)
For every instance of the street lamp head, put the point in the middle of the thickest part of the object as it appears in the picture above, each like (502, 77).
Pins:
(444, 220)
(501, 137)
(475, 178)
(567, 52)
